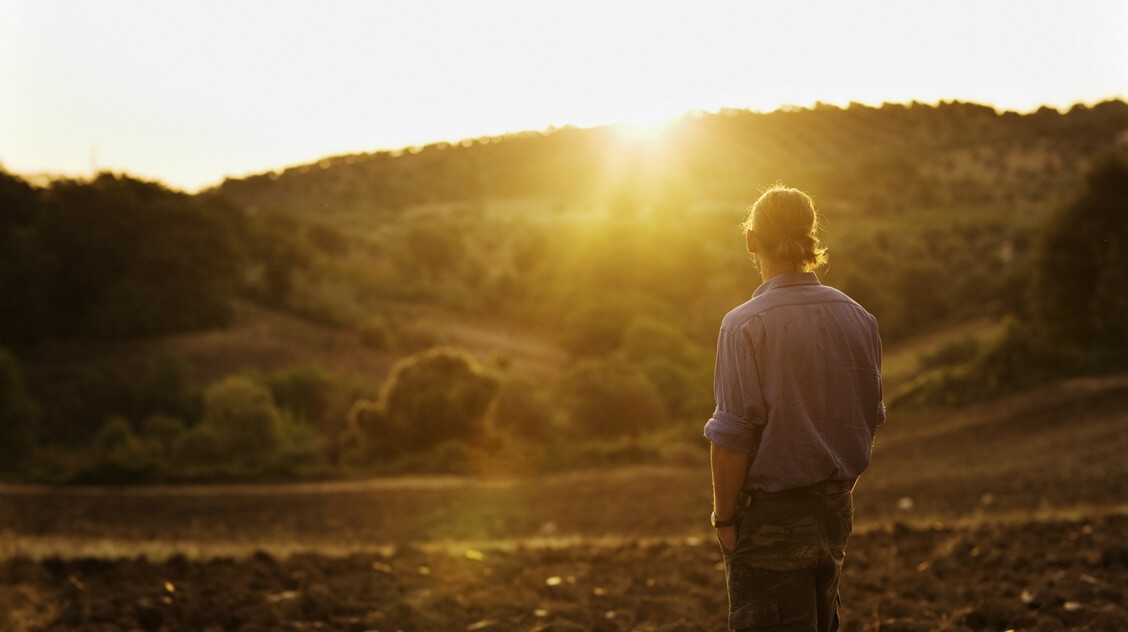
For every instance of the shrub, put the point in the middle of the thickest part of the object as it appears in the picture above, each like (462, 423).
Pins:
(648, 338)
(198, 446)
(244, 418)
(607, 398)
(163, 430)
(364, 419)
(114, 435)
(436, 395)
(304, 391)
(17, 413)
(1020, 358)
(119, 456)
(596, 329)
(685, 389)
(951, 353)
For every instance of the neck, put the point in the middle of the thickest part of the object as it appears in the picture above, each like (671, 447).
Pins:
(770, 268)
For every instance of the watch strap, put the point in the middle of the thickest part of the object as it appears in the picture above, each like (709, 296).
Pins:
(717, 523)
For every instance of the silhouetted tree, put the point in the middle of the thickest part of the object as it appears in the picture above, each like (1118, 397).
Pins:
(17, 414)
(1079, 293)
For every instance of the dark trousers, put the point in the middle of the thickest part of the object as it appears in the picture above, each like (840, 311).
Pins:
(783, 574)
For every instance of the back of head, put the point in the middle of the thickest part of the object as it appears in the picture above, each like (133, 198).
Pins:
(785, 224)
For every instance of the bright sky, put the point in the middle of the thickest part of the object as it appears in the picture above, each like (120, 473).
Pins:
(190, 92)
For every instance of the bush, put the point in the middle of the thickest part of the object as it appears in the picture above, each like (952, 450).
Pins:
(303, 391)
(436, 395)
(114, 436)
(17, 414)
(300, 445)
(198, 446)
(1020, 358)
(365, 419)
(951, 353)
(163, 431)
(118, 456)
(245, 420)
(608, 398)
(686, 390)
(649, 339)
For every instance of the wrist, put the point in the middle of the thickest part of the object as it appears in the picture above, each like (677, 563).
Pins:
(719, 523)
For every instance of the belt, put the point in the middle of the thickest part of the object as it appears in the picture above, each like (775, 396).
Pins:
(823, 488)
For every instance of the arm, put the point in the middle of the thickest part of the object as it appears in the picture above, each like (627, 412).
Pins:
(734, 429)
(728, 468)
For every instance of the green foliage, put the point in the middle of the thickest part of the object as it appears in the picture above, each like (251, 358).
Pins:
(246, 422)
(327, 239)
(608, 398)
(303, 391)
(365, 419)
(436, 395)
(952, 353)
(163, 431)
(1021, 357)
(595, 327)
(76, 400)
(679, 368)
(1081, 268)
(300, 445)
(278, 252)
(115, 257)
(199, 446)
(18, 414)
(114, 434)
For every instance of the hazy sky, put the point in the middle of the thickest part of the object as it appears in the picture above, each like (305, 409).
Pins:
(190, 91)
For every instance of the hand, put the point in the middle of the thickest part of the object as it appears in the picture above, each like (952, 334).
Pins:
(727, 536)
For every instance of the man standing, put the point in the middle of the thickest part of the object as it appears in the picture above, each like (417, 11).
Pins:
(798, 391)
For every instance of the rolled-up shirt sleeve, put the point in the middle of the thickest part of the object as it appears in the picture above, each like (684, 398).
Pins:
(738, 421)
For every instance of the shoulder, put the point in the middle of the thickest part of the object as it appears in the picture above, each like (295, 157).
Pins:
(751, 313)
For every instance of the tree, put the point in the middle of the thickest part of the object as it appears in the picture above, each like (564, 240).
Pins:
(439, 394)
(1078, 293)
(17, 413)
(608, 398)
(245, 420)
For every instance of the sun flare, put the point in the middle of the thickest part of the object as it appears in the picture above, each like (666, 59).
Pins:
(651, 132)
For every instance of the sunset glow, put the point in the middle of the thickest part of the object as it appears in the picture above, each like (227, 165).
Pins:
(190, 93)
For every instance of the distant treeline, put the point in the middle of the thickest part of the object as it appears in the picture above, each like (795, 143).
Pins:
(117, 258)
(875, 159)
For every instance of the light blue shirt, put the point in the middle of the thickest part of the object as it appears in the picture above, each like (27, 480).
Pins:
(798, 384)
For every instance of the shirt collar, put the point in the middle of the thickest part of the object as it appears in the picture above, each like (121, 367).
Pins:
(786, 279)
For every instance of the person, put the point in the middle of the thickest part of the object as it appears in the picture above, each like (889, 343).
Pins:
(798, 394)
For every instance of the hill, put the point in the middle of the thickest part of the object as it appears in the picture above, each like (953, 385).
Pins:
(893, 158)
(559, 271)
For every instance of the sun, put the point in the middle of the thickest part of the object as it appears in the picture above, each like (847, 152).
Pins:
(643, 132)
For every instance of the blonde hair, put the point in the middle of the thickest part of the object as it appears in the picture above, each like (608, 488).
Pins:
(786, 226)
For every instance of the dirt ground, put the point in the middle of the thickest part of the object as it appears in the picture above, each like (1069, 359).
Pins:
(1008, 515)
(1047, 576)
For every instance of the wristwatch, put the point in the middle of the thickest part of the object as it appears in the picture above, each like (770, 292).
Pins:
(717, 524)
